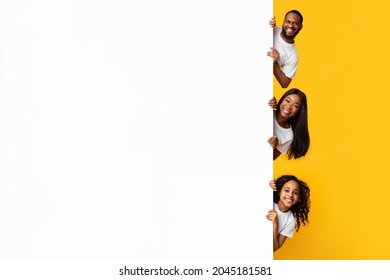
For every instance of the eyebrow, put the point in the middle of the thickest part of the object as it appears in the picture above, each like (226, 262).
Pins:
(295, 190)
(288, 98)
(292, 21)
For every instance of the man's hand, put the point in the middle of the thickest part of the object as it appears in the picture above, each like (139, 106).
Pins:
(274, 54)
(272, 22)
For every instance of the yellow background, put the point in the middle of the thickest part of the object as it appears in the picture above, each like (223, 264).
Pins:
(344, 64)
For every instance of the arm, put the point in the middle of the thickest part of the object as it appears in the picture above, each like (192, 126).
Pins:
(277, 153)
(278, 239)
(283, 80)
(273, 141)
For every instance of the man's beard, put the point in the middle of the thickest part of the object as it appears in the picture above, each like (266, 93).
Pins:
(289, 37)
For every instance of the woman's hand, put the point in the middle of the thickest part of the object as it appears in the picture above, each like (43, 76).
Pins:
(272, 103)
(273, 141)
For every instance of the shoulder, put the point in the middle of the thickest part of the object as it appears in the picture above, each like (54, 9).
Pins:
(277, 30)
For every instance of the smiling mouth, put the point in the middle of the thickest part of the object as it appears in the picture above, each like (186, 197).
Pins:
(290, 30)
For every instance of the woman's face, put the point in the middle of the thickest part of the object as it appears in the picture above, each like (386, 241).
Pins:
(290, 106)
(289, 195)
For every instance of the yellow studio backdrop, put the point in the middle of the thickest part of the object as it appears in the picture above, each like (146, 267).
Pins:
(343, 69)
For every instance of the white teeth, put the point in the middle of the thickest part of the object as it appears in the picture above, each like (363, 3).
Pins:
(290, 30)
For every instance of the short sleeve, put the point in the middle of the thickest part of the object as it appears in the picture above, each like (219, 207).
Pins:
(288, 230)
(283, 148)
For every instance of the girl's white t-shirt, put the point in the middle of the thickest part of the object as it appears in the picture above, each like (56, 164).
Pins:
(285, 137)
(286, 222)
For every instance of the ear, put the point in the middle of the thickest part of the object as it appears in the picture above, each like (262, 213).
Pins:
(301, 27)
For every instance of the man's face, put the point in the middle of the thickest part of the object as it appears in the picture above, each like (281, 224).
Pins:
(291, 26)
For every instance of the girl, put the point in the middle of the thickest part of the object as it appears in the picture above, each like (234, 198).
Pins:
(291, 132)
(291, 207)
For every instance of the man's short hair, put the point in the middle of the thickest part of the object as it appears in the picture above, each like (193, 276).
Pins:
(295, 12)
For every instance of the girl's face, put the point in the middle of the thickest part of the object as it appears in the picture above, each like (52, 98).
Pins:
(290, 106)
(289, 195)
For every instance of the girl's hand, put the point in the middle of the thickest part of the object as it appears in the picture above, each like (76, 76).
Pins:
(272, 103)
(272, 216)
(273, 141)
(272, 185)
(272, 22)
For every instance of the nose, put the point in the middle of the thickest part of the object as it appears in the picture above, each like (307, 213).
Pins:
(290, 194)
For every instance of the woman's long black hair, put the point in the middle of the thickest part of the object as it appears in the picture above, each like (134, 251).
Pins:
(299, 124)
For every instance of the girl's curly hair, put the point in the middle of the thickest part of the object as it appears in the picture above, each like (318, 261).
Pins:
(301, 209)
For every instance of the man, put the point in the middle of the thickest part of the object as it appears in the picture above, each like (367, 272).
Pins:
(284, 53)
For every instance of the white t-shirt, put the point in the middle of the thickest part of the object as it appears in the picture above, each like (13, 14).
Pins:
(286, 222)
(288, 55)
(285, 137)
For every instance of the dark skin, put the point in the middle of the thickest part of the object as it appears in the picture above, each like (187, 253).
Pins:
(273, 141)
(283, 80)
(290, 190)
(292, 24)
(292, 104)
